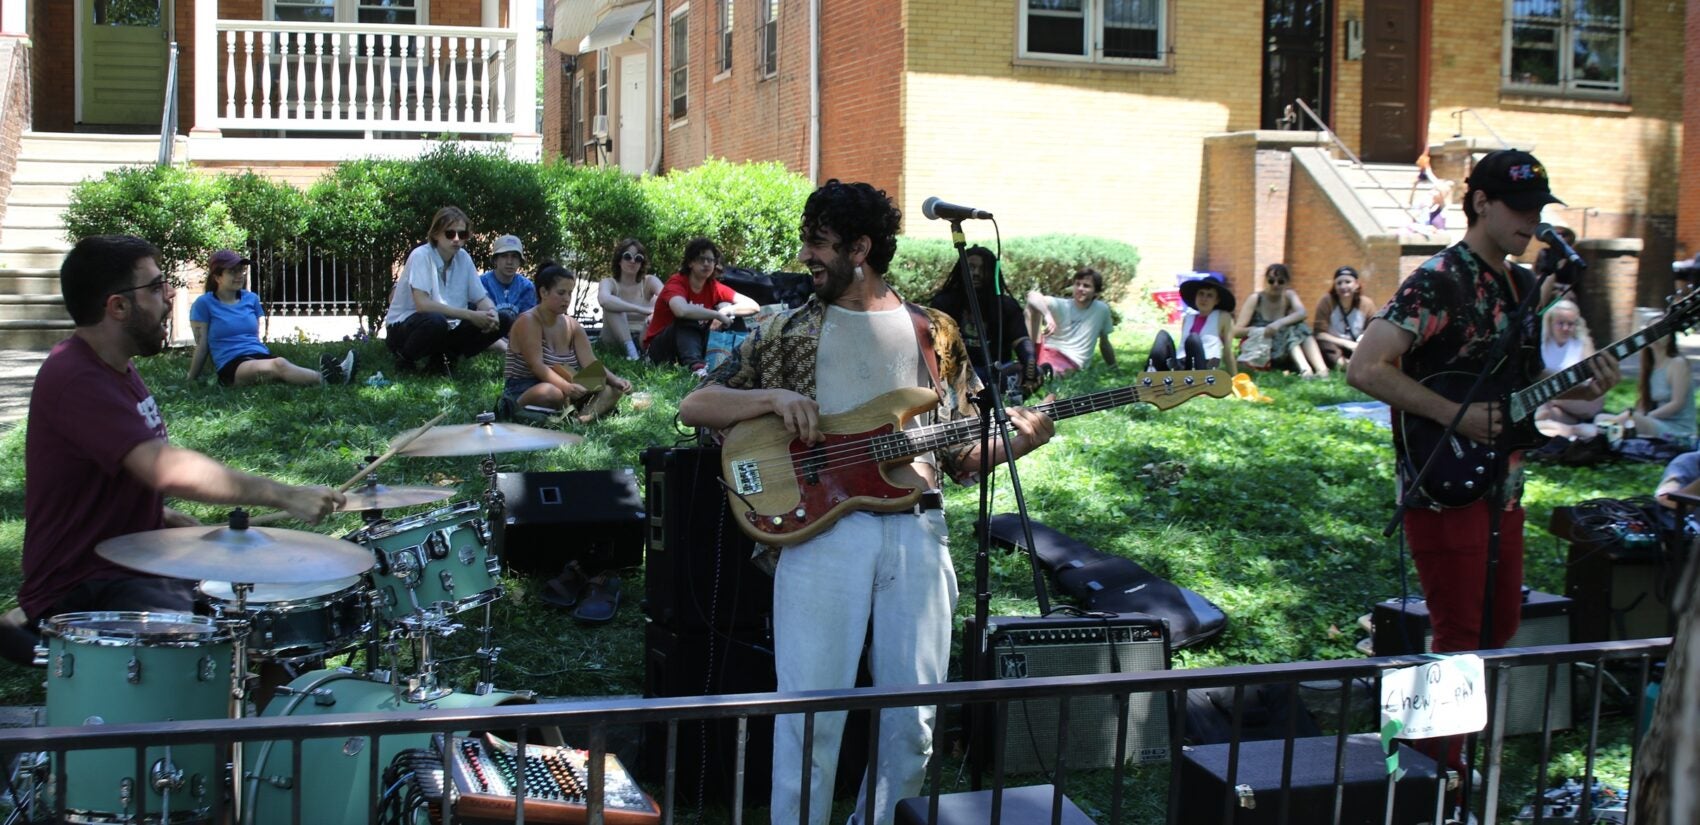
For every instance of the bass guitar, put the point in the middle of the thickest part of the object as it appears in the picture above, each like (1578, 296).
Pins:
(1463, 470)
(785, 491)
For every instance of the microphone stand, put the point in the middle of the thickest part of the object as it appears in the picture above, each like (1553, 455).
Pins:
(991, 410)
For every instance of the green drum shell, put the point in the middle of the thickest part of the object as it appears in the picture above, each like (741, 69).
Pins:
(184, 672)
(337, 775)
(464, 577)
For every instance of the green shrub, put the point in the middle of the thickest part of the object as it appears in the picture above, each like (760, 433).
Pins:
(1043, 262)
(595, 207)
(750, 210)
(180, 211)
(273, 213)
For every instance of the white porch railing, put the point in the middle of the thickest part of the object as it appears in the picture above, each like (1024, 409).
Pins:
(409, 80)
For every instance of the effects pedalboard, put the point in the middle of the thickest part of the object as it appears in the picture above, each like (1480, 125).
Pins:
(486, 774)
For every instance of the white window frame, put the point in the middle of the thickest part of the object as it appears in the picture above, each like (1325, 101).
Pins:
(1567, 32)
(576, 120)
(1092, 36)
(602, 73)
(677, 68)
(348, 11)
(767, 38)
(724, 19)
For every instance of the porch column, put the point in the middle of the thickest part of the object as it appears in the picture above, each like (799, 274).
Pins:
(206, 47)
(522, 18)
(12, 18)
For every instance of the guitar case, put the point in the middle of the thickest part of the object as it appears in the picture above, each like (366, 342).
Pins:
(1112, 584)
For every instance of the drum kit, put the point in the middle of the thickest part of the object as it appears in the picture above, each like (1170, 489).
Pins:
(283, 600)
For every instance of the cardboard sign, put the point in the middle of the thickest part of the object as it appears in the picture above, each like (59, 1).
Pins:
(1445, 697)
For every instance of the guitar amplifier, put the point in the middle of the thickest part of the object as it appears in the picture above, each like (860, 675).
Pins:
(1402, 628)
(698, 576)
(1256, 797)
(1622, 591)
(1021, 647)
(594, 517)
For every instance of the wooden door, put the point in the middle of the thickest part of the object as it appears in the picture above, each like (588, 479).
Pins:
(1392, 114)
(123, 61)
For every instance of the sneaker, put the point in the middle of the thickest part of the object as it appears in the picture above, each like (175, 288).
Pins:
(347, 367)
(330, 371)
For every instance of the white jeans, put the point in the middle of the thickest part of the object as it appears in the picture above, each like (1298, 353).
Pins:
(895, 569)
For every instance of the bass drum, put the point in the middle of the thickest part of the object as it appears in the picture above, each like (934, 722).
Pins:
(336, 780)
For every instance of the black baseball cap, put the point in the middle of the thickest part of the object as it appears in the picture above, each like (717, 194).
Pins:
(1513, 176)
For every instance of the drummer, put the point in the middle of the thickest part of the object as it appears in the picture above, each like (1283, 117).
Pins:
(97, 462)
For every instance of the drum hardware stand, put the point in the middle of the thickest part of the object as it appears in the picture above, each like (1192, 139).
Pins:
(423, 686)
(495, 516)
(487, 657)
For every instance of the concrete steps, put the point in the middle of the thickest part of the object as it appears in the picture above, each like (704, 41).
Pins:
(1386, 190)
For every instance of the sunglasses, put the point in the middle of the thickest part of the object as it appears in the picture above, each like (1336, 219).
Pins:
(157, 285)
(458, 234)
(632, 256)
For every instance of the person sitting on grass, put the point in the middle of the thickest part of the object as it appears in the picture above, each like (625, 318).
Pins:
(627, 299)
(549, 362)
(692, 303)
(511, 292)
(1205, 328)
(226, 323)
(1276, 312)
(1564, 343)
(1006, 324)
(1341, 316)
(1066, 326)
(1664, 397)
(439, 310)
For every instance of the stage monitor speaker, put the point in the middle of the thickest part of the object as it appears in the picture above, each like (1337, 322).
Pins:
(1029, 804)
(698, 575)
(1257, 783)
(594, 517)
(690, 664)
(1022, 647)
(1622, 591)
(1546, 621)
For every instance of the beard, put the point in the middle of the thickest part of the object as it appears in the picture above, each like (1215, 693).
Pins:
(147, 334)
(839, 276)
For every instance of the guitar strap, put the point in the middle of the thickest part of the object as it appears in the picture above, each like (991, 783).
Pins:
(924, 337)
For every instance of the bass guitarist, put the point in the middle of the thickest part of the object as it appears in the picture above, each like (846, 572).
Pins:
(853, 341)
(1446, 317)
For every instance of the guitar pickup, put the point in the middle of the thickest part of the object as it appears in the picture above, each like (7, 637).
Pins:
(746, 477)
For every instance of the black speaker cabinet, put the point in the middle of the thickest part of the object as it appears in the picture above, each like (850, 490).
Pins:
(698, 575)
(1621, 591)
(1546, 621)
(691, 664)
(1020, 805)
(1022, 647)
(1256, 793)
(594, 517)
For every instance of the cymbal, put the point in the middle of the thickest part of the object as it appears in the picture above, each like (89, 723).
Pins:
(269, 555)
(482, 439)
(383, 497)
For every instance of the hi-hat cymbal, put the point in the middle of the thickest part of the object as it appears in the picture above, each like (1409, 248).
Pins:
(269, 555)
(481, 439)
(383, 497)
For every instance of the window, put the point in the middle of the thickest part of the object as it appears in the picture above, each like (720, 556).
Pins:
(575, 124)
(680, 25)
(767, 39)
(602, 82)
(1565, 46)
(376, 12)
(1096, 31)
(723, 30)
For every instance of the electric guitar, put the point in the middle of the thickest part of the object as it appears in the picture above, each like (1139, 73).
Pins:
(1464, 469)
(784, 491)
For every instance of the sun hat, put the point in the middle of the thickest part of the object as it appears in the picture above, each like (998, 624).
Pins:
(1225, 296)
(508, 243)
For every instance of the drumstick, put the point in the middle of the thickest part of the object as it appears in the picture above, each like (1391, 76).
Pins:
(363, 472)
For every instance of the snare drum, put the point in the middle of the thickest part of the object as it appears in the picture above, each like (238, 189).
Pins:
(116, 667)
(439, 560)
(288, 622)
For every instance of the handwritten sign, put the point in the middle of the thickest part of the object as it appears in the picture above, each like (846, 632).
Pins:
(1445, 697)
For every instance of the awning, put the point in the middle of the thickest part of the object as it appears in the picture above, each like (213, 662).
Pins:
(615, 27)
(573, 20)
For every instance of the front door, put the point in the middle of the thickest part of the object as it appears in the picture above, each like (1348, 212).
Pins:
(633, 131)
(1295, 62)
(124, 52)
(1392, 112)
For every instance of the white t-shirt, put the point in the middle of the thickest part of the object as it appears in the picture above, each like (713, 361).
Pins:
(863, 355)
(455, 284)
(1078, 329)
(1555, 356)
(1210, 335)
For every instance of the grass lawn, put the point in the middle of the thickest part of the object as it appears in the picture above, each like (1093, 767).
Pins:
(1273, 511)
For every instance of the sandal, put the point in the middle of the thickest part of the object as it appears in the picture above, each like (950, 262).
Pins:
(564, 590)
(599, 601)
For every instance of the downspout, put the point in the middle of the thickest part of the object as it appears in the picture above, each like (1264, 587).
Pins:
(655, 129)
(814, 92)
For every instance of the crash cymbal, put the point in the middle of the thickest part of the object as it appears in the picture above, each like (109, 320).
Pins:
(255, 555)
(384, 497)
(481, 439)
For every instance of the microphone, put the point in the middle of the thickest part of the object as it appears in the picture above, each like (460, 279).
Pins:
(1551, 238)
(936, 209)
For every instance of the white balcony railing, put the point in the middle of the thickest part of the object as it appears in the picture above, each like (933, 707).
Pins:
(405, 80)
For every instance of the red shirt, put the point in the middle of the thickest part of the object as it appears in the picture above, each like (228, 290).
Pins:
(713, 294)
(84, 418)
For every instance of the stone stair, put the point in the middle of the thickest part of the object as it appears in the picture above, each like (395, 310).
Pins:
(1385, 189)
(32, 235)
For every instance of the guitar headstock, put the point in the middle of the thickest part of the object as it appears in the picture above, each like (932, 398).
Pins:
(1684, 311)
(1164, 390)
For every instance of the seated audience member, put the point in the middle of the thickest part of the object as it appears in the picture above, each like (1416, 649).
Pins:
(1340, 317)
(439, 310)
(627, 298)
(1664, 396)
(1008, 324)
(511, 292)
(1564, 343)
(1277, 312)
(1682, 475)
(1206, 327)
(691, 303)
(549, 362)
(226, 323)
(1066, 327)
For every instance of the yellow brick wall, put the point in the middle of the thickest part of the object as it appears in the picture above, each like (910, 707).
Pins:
(1348, 84)
(1016, 139)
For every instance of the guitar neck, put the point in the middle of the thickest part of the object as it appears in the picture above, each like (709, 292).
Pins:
(1558, 383)
(911, 443)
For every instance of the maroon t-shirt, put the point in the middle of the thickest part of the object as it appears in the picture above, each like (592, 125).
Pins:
(84, 418)
(713, 294)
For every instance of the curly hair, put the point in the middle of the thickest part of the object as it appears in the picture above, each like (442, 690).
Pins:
(853, 210)
(694, 250)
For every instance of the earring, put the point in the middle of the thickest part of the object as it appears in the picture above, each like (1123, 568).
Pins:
(858, 273)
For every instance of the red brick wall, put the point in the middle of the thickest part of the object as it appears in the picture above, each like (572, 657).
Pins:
(1688, 206)
(14, 110)
(863, 60)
